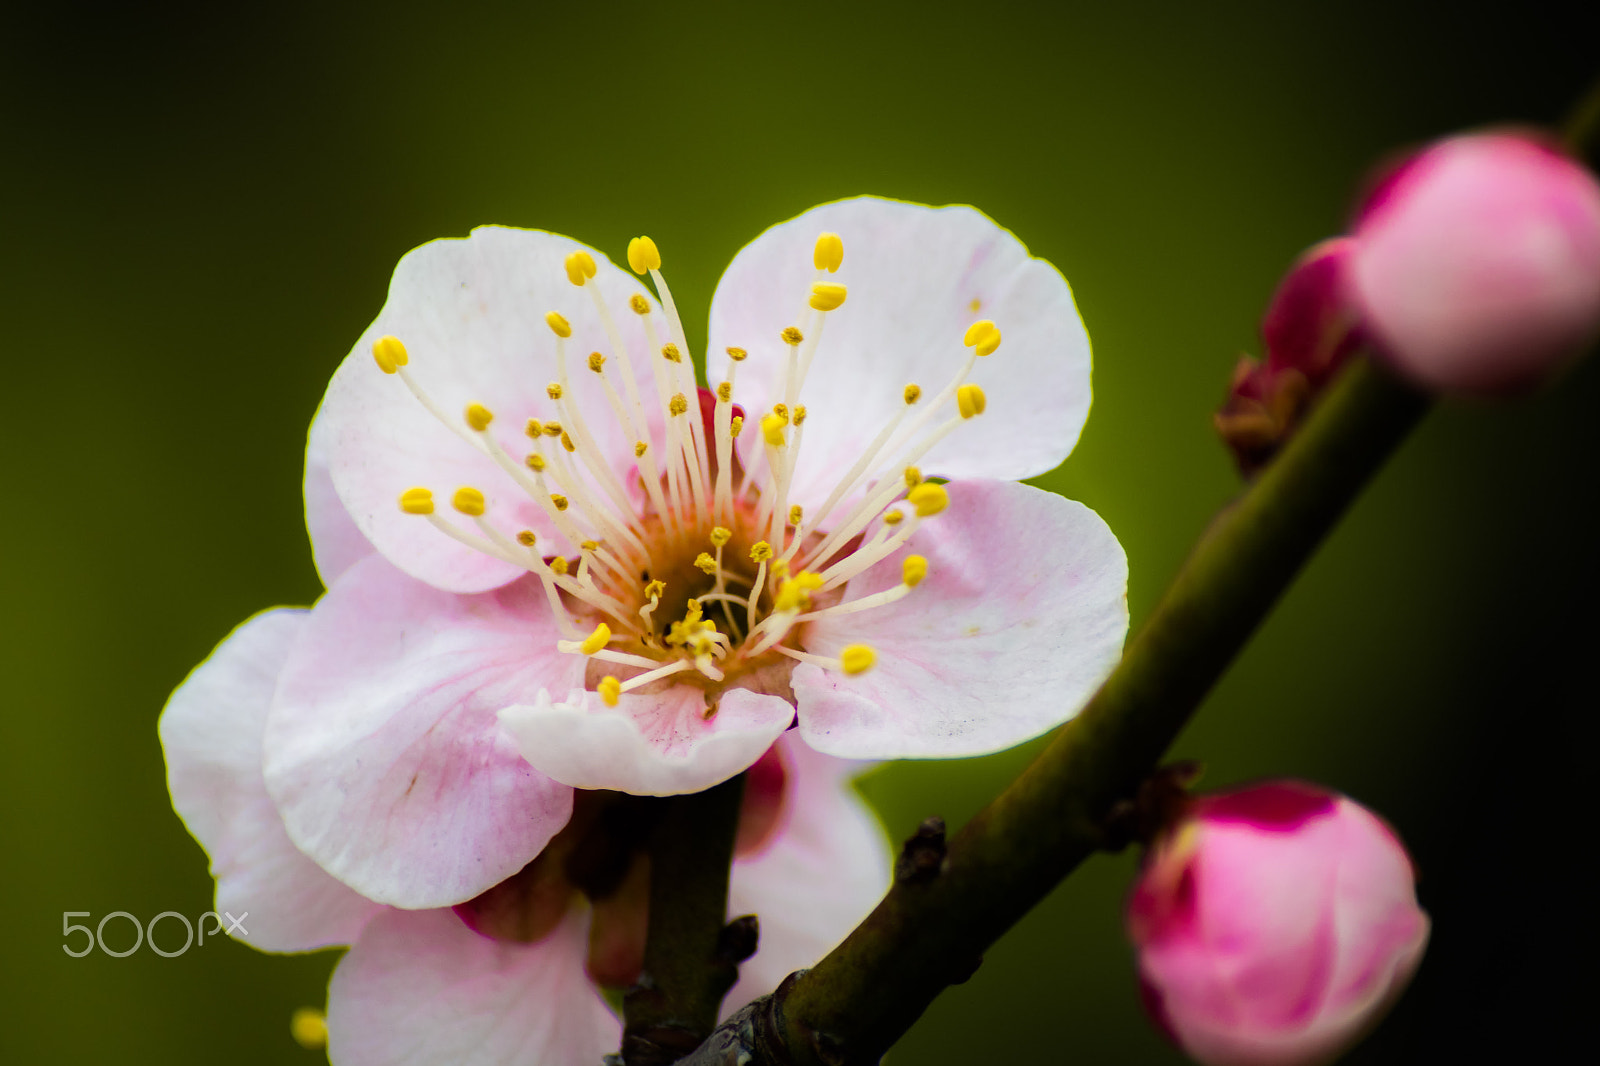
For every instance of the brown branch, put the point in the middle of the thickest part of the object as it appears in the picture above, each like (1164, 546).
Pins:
(948, 905)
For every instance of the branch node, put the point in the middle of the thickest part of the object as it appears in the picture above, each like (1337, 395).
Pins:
(924, 856)
(738, 940)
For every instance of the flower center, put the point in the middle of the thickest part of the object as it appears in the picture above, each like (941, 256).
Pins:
(695, 564)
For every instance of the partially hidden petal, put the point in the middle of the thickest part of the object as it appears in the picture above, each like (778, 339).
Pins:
(823, 870)
(1021, 616)
(420, 988)
(471, 314)
(211, 733)
(336, 543)
(382, 749)
(917, 277)
(663, 744)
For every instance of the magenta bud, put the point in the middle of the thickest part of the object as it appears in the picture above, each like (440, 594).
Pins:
(1478, 266)
(1274, 925)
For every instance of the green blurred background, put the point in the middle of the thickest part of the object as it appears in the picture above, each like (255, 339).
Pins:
(200, 211)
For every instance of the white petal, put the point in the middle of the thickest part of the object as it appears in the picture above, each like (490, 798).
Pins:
(1022, 615)
(917, 277)
(655, 745)
(471, 314)
(211, 733)
(421, 989)
(826, 867)
(336, 543)
(382, 750)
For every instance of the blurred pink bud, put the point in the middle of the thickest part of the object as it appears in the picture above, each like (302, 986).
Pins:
(1479, 263)
(1275, 924)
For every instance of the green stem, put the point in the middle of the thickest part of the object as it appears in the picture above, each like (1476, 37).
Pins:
(933, 927)
(688, 967)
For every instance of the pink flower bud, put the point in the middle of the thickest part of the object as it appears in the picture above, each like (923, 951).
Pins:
(1274, 925)
(1479, 263)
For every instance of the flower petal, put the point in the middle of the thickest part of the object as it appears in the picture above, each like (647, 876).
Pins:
(917, 277)
(472, 316)
(211, 733)
(336, 543)
(382, 749)
(1020, 618)
(826, 867)
(421, 988)
(654, 745)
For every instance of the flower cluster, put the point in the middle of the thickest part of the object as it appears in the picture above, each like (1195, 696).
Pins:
(561, 574)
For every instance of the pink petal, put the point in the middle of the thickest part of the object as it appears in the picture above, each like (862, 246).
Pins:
(917, 277)
(471, 314)
(648, 745)
(336, 543)
(825, 869)
(382, 748)
(421, 989)
(211, 733)
(1020, 618)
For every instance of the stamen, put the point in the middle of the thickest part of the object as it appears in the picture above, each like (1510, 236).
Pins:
(970, 401)
(829, 252)
(390, 354)
(855, 659)
(416, 501)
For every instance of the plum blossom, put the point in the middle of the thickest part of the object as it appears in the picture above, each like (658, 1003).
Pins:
(1275, 924)
(421, 986)
(554, 562)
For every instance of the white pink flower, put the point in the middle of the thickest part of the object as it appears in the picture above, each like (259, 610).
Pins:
(1275, 924)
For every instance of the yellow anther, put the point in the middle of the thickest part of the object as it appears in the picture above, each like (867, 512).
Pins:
(799, 413)
(989, 343)
(760, 551)
(796, 513)
(558, 325)
(527, 538)
(639, 448)
(580, 267)
(677, 405)
(857, 659)
(416, 501)
(892, 518)
(559, 564)
(913, 477)
(795, 593)
(735, 426)
(772, 429)
(827, 296)
(534, 428)
(928, 499)
(781, 410)
(638, 304)
(977, 331)
(553, 390)
(589, 545)
(725, 392)
(828, 253)
(705, 563)
(468, 501)
(671, 354)
(559, 500)
(552, 429)
(791, 335)
(780, 569)
(566, 442)
(610, 690)
(691, 614)
(913, 570)
(720, 536)
(913, 393)
(970, 401)
(535, 461)
(596, 640)
(479, 416)
(389, 354)
(596, 361)
(737, 354)
(309, 1027)
(654, 589)
(643, 255)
